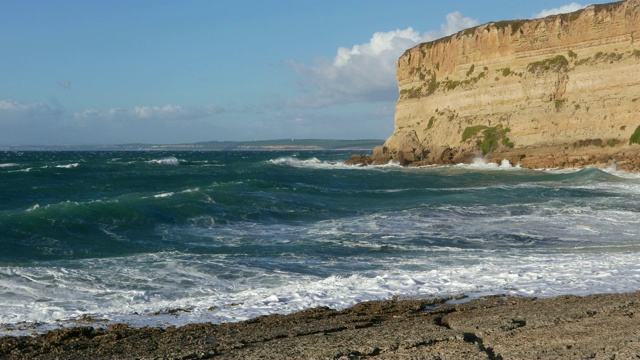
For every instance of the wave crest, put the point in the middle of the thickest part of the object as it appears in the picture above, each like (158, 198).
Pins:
(480, 163)
(68, 166)
(171, 160)
(315, 163)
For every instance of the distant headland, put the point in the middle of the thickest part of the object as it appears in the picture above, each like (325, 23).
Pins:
(259, 145)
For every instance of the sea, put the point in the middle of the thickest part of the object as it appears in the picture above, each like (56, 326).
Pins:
(152, 238)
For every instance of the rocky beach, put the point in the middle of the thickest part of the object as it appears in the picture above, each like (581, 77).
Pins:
(601, 326)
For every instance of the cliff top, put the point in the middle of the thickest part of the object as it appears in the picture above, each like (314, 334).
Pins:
(515, 25)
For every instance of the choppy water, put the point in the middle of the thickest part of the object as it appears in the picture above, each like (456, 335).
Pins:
(126, 236)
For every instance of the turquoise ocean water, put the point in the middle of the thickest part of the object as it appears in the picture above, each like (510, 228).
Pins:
(226, 236)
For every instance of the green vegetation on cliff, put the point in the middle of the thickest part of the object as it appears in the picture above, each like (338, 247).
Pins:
(432, 121)
(558, 103)
(515, 25)
(472, 131)
(635, 137)
(557, 64)
(492, 137)
(471, 69)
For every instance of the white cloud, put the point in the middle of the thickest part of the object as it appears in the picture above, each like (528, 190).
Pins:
(50, 124)
(455, 22)
(377, 45)
(14, 110)
(33, 123)
(167, 112)
(365, 72)
(559, 10)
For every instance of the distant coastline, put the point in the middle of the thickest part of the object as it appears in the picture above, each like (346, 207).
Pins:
(259, 145)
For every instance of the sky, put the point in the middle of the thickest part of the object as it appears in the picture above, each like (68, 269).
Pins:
(82, 72)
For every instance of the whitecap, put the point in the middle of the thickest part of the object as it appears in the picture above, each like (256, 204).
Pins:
(315, 163)
(291, 161)
(481, 164)
(166, 161)
(68, 166)
(612, 169)
(21, 170)
(196, 189)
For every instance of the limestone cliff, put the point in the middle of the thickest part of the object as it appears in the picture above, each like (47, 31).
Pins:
(560, 91)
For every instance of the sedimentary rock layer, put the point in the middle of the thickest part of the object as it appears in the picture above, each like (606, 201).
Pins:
(561, 91)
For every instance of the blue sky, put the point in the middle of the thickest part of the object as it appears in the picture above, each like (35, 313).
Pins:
(160, 71)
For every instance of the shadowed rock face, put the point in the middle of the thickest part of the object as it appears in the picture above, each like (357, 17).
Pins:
(499, 327)
(561, 91)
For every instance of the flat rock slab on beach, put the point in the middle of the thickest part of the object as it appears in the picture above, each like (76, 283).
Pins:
(501, 327)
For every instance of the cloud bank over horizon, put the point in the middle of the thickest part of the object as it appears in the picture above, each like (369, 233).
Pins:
(157, 113)
(11, 111)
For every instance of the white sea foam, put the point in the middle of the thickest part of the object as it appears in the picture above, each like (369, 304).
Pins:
(118, 291)
(560, 170)
(191, 190)
(490, 250)
(482, 164)
(308, 163)
(68, 166)
(69, 203)
(619, 173)
(478, 163)
(315, 163)
(7, 165)
(163, 195)
(507, 164)
(21, 170)
(166, 161)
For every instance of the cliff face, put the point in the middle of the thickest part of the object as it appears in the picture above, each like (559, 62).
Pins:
(559, 91)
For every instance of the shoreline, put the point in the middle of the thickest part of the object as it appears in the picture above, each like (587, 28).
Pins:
(494, 327)
(544, 157)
